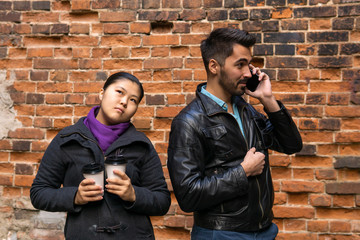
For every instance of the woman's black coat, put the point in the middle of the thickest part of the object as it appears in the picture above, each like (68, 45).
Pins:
(59, 176)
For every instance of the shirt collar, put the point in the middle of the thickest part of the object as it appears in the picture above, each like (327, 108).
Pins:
(220, 102)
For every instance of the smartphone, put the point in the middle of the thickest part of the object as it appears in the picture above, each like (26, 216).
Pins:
(253, 82)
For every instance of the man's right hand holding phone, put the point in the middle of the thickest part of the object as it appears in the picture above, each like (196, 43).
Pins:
(263, 91)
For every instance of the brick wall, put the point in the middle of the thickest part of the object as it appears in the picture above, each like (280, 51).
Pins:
(55, 55)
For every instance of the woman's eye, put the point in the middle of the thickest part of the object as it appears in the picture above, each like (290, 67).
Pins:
(133, 100)
(119, 91)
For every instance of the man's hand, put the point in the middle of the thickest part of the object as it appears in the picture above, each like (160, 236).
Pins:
(88, 192)
(253, 163)
(263, 91)
(121, 186)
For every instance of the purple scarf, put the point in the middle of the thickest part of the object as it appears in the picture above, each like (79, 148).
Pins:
(105, 135)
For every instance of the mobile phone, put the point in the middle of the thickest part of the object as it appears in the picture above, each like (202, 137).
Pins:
(253, 82)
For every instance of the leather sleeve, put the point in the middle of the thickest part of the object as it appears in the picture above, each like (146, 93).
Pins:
(186, 159)
(286, 137)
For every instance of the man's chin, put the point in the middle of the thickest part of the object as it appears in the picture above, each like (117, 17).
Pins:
(240, 92)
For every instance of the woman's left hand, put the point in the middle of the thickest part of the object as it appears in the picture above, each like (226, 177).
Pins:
(121, 186)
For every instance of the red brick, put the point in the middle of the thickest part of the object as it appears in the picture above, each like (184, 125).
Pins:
(125, 64)
(325, 174)
(340, 226)
(280, 198)
(39, 17)
(140, 27)
(141, 123)
(6, 168)
(72, 41)
(343, 200)
(348, 214)
(320, 200)
(302, 186)
(80, 5)
(6, 179)
(192, 15)
(175, 221)
(163, 63)
(155, 135)
(15, 63)
(40, 52)
(293, 212)
(194, 63)
(279, 161)
(11, 192)
(312, 162)
(160, 52)
(120, 41)
(175, 99)
(24, 180)
(116, 28)
(294, 225)
(305, 174)
(171, 233)
(54, 111)
(280, 173)
(282, 13)
(323, 137)
(83, 17)
(79, 28)
(162, 75)
(54, 87)
(347, 137)
(27, 133)
(155, 40)
(318, 226)
(189, 39)
(118, 16)
(329, 87)
(162, 87)
(168, 111)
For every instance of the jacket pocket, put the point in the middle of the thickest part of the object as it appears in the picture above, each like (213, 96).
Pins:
(217, 143)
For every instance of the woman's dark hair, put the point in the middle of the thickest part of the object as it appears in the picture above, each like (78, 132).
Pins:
(219, 44)
(124, 75)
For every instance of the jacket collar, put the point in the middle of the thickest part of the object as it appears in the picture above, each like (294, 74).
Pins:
(129, 136)
(211, 107)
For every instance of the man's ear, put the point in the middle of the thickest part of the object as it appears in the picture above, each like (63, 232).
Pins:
(214, 66)
(101, 94)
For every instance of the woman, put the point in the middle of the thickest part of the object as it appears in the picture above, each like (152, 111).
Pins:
(122, 209)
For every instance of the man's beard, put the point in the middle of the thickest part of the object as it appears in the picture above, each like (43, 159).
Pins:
(225, 82)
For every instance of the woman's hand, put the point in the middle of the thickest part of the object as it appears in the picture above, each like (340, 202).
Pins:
(88, 192)
(121, 186)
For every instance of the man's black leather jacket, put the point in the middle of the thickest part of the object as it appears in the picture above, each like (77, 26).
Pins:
(206, 148)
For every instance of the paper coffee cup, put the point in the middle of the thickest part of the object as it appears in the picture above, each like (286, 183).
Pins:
(114, 162)
(95, 172)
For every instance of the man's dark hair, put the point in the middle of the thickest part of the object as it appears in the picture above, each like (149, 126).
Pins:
(219, 44)
(124, 75)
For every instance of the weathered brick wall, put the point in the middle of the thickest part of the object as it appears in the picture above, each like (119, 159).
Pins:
(54, 56)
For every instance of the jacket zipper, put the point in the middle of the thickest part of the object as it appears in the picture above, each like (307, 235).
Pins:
(257, 180)
(261, 208)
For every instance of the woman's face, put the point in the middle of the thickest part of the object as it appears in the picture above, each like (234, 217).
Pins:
(119, 102)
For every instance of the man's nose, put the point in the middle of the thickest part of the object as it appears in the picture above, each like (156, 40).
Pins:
(248, 73)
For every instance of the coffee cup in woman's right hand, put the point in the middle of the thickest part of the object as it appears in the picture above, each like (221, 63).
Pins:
(115, 163)
(95, 172)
